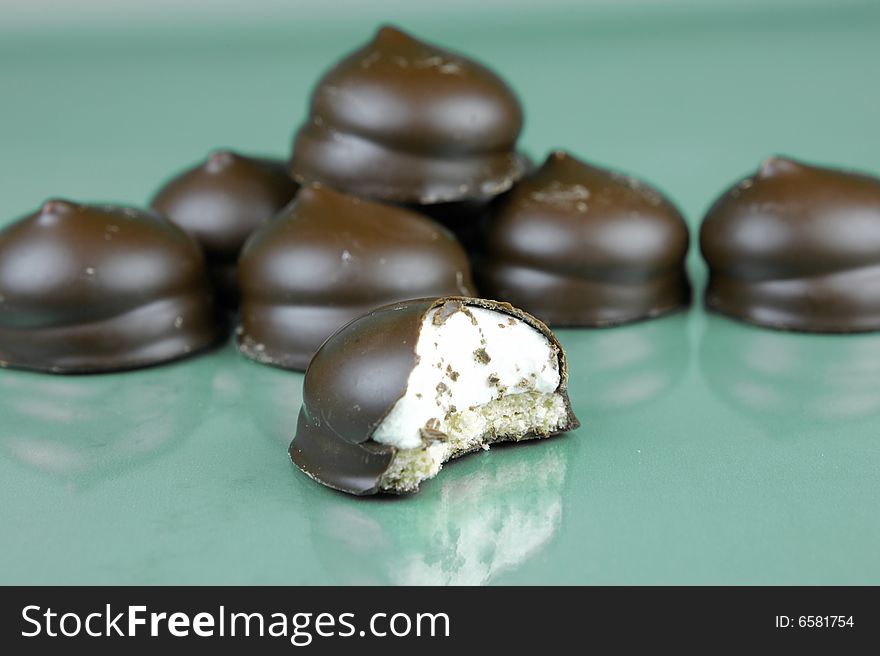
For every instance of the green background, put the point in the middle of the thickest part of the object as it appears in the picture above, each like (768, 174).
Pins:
(710, 452)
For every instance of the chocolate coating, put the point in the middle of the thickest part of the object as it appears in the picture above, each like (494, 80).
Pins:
(90, 288)
(355, 379)
(405, 121)
(220, 202)
(577, 245)
(329, 258)
(796, 247)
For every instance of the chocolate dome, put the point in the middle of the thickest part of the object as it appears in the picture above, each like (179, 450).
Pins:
(221, 202)
(327, 259)
(577, 245)
(88, 288)
(796, 247)
(405, 121)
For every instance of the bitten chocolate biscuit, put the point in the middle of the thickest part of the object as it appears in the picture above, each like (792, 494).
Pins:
(399, 391)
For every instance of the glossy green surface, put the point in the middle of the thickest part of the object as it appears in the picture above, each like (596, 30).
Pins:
(710, 452)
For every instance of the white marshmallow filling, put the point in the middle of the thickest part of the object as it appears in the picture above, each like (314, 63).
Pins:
(481, 377)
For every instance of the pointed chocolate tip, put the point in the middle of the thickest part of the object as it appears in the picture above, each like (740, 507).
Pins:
(55, 206)
(314, 195)
(776, 165)
(315, 192)
(562, 160)
(391, 34)
(219, 160)
(392, 40)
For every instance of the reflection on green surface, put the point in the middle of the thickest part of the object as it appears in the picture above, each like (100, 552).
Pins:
(618, 369)
(479, 518)
(83, 428)
(792, 383)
